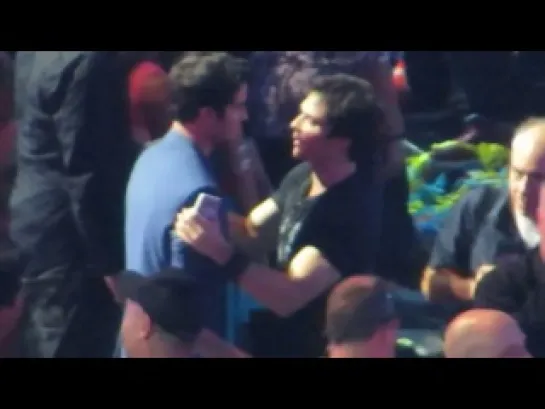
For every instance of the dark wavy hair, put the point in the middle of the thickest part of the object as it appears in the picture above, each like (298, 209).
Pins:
(281, 79)
(353, 113)
(206, 79)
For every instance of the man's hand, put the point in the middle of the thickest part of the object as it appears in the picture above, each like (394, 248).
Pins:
(203, 235)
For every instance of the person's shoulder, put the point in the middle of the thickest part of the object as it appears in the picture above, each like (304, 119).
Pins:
(482, 199)
(516, 262)
(505, 286)
(170, 158)
(356, 188)
(172, 145)
(54, 71)
(57, 61)
(487, 192)
(299, 174)
(516, 268)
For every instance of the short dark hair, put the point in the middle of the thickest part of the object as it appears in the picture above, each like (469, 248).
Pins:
(357, 308)
(281, 79)
(353, 112)
(206, 79)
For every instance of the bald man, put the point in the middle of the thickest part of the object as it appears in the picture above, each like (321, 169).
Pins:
(491, 224)
(485, 334)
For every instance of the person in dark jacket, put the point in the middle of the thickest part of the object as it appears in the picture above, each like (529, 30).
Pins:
(74, 154)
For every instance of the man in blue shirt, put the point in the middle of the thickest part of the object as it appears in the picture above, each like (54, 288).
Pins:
(209, 91)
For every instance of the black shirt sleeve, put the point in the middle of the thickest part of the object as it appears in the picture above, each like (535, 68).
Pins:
(452, 247)
(504, 288)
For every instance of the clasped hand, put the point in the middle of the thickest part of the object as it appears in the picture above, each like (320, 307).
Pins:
(203, 235)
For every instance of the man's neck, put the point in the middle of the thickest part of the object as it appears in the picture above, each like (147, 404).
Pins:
(327, 174)
(190, 132)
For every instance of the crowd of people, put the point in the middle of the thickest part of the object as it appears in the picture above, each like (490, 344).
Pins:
(138, 187)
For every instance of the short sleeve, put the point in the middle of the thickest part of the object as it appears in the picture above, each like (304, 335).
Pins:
(179, 252)
(296, 177)
(504, 288)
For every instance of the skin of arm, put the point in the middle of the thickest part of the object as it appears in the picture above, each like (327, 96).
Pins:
(444, 278)
(309, 273)
(256, 234)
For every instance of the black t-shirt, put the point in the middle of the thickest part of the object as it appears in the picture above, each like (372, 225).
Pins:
(343, 223)
(517, 287)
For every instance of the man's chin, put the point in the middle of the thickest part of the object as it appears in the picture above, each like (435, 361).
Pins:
(297, 154)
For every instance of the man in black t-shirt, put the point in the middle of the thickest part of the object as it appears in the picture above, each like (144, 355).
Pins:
(323, 221)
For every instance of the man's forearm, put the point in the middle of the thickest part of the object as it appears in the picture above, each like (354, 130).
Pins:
(280, 293)
(273, 289)
(245, 238)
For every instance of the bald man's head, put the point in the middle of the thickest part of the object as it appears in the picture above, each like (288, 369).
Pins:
(527, 167)
(484, 334)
